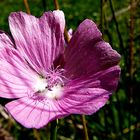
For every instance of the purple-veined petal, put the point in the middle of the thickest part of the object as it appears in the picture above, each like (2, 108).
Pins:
(85, 101)
(59, 15)
(105, 79)
(86, 95)
(51, 27)
(5, 40)
(87, 53)
(16, 78)
(33, 113)
(40, 41)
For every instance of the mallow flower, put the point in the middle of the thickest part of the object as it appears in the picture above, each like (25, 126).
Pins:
(47, 80)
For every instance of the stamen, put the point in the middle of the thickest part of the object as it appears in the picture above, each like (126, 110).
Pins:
(50, 86)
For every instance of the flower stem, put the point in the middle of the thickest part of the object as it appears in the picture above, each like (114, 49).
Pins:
(36, 134)
(67, 38)
(27, 6)
(123, 51)
(56, 4)
(85, 127)
(101, 16)
(131, 63)
(53, 130)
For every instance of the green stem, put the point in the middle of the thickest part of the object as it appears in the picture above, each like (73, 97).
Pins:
(85, 127)
(56, 4)
(53, 130)
(131, 62)
(123, 51)
(131, 34)
(36, 134)
(101, 16)
(27, 6)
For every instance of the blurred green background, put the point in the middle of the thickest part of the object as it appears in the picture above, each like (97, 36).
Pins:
(119, 22)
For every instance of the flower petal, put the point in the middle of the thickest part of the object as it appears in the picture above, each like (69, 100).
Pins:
(40, 41)
(33, 113)
(87, 53)
(105, 79)
(86, 95)
(59, 15)
(16, 78)
(5, 40)
(52, 29)
(85, 101)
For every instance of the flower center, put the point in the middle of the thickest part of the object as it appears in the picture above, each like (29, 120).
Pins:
(41, 84)
(50, 85)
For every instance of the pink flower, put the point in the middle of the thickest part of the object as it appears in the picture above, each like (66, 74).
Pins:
(48, 82)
